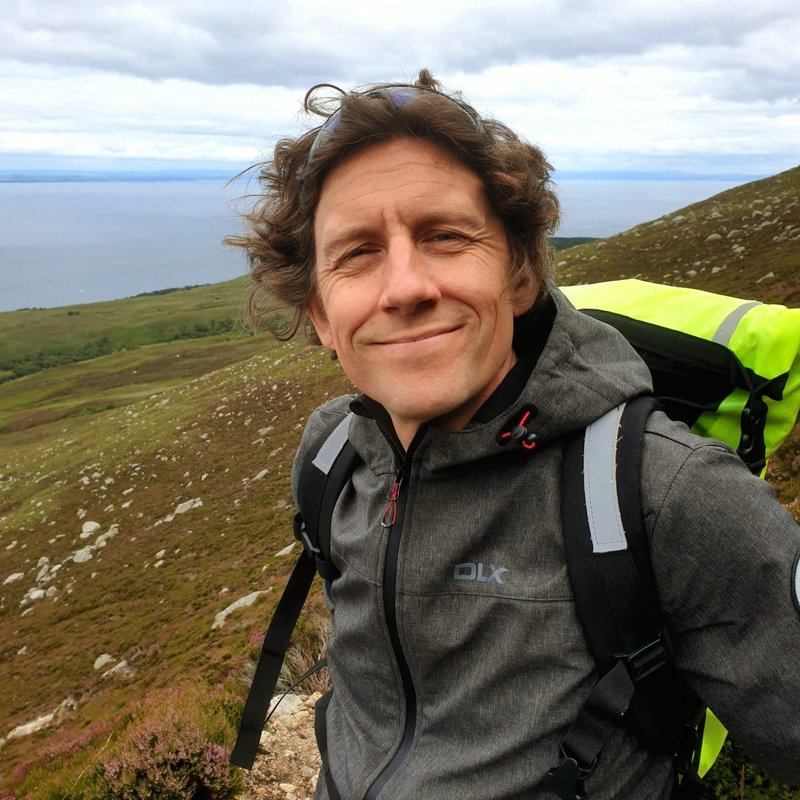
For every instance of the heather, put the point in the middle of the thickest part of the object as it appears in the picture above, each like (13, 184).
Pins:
(173, 745)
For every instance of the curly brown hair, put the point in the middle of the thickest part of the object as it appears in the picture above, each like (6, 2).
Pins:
(278, 237)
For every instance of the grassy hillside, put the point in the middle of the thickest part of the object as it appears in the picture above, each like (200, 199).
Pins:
(149, 594)
(180, 453)
(35, 339)
(744, 242)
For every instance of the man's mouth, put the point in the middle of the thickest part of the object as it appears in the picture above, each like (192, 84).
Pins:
(421, 336)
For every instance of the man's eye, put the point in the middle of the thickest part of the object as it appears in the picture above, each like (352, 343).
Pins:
(446, 236)
(355, 253)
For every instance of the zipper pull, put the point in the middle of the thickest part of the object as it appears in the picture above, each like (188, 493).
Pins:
(389, 515)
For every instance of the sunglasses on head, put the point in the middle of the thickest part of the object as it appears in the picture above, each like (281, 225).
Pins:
(399, 94)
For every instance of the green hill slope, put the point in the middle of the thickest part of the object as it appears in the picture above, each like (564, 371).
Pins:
(35, 339)
(144, 584)
(744, 242)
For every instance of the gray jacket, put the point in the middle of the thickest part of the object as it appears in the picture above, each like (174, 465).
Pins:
(456, 657)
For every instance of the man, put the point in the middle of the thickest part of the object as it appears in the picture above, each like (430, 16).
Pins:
(414, 236)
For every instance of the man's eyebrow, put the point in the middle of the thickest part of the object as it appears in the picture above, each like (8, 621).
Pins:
(461, 219)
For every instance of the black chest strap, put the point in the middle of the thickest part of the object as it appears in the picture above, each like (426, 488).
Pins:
(328, 466)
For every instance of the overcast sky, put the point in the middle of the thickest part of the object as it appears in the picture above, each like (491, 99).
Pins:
(708, 86)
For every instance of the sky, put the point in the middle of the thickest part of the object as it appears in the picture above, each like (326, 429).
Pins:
(709, 86)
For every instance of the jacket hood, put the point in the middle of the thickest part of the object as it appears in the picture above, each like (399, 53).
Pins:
(585, 368)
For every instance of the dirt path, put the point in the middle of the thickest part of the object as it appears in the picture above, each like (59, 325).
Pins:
(287, 764)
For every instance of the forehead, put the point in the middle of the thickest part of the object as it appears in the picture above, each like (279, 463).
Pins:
(401, 170)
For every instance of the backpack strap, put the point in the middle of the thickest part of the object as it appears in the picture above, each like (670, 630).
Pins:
(322, 478)
(327, 468)
(615, 595)
(268, 668)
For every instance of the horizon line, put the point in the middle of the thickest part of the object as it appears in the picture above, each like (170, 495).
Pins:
(78, 175)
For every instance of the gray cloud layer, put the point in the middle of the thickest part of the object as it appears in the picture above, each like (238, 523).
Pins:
(618, 84)
(296, 44)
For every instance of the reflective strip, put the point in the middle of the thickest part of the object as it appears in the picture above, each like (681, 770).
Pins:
(728, 326)
(600, 483)
(332, 446)
(796, 597)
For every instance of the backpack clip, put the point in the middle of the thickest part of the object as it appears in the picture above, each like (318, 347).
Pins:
(515, 430)
(646, 660)
(300, 533)
(566, 780)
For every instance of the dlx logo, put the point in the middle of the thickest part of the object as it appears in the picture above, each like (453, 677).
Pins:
(471, 571)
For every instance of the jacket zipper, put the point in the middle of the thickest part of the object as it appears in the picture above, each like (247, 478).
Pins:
(392, 519)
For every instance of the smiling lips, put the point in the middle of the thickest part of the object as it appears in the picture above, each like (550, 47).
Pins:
(418, 337)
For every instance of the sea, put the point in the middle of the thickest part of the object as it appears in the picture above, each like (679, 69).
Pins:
(65, 242)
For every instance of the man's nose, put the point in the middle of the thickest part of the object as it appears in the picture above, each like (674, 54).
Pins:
(407, 280)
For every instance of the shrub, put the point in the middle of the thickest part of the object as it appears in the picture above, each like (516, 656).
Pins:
(734, 777)
(172, 749)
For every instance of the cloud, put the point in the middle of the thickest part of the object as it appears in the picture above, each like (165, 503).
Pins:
(295, 44)
(618, 81)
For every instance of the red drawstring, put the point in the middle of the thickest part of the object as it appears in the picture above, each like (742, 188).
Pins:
(391, 506)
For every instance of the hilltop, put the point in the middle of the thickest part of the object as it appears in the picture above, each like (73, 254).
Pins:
(743, 242)
(143, 492)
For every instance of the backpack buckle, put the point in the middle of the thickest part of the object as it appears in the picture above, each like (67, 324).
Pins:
(566, 779)
(300, 533)
(646, 660)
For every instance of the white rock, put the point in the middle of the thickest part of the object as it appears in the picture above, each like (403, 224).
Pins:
(262, 474)
(766, 277)
(289, 705)
(286, 550)
(161, 553)
(34, 594)
(123, 669)
(13, 578)
(89, 528)
(714, 237)
(23, 651)
(102, 660)
(82, 556)
(242, 602)
(51, 592)
(188, 505)
(38, 724)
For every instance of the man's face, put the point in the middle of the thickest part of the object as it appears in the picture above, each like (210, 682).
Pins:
(412, 272)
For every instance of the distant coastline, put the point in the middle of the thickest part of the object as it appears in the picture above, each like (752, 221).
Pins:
(72, 235)
(56, 175)
(59, 176)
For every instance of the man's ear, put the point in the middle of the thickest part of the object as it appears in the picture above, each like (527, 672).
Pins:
(523, 296)
(316, 313)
